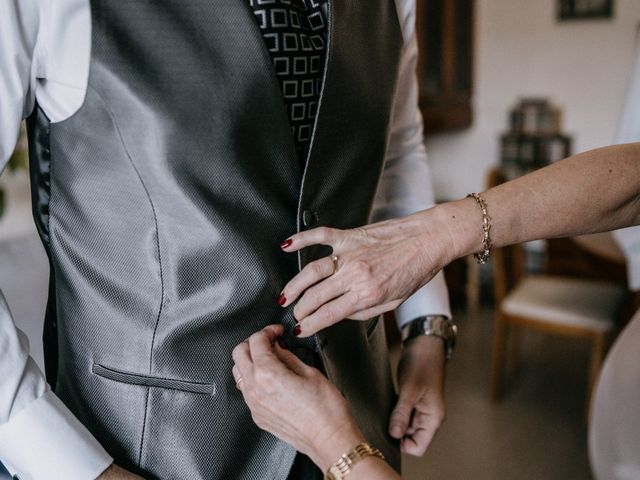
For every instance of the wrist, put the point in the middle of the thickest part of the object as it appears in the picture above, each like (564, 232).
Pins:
(107, 474)
(461, 221)
(342, 440)
(436, 332)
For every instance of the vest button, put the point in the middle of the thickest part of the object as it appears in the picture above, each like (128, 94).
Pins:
(310, 219)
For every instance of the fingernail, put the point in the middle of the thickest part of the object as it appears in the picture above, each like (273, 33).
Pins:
(282, 299)
(297, 330)
(287, 243)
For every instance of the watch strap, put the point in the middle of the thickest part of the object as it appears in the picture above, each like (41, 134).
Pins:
(432, 326)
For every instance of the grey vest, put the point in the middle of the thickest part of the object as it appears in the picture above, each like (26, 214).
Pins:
(162, 203)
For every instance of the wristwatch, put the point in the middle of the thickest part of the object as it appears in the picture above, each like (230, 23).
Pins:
(432, 325)
(342, 468)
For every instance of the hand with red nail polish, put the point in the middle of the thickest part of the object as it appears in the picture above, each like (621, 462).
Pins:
(372, 269)
(282, 299)
(286, 244)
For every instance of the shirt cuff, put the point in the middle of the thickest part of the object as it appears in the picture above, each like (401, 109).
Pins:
(45, 440)
(629, 241)
(432, 299)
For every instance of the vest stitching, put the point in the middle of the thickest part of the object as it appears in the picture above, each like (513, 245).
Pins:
(155, 219)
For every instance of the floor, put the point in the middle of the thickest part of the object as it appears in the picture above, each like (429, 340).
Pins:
(538, 430)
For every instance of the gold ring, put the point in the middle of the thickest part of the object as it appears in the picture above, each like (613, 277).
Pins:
(335, 263)
(238, 382)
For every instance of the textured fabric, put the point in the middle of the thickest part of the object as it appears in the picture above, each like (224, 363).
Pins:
(169, 193)
(296, 35)
(44, 451)
(614, 430)
(629, 131)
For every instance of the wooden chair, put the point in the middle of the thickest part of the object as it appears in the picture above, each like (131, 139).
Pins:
(556, 305)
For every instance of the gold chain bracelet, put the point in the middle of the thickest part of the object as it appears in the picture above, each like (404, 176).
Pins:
(343, 466)
(482, 256)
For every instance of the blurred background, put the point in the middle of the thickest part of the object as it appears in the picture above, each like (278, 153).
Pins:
(507, 86)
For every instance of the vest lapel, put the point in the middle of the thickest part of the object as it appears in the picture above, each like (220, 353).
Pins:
(350, 135)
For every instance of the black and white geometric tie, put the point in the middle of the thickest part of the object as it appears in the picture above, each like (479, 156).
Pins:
(295, 32)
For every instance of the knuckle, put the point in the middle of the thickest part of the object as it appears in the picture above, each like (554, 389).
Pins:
(317, 268)
(327, 315)
(263, 376)
(362, 268)
(370, 294)
(324, 232)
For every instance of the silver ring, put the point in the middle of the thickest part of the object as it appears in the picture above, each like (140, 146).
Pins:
(238, 382)
(335, 259)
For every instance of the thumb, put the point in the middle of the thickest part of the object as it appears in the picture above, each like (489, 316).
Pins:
(290, 360)
(401, 415)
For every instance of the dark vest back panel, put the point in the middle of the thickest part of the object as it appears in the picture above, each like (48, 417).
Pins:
(162, 203)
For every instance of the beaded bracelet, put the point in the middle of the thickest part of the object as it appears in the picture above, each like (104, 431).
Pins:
(482, 256)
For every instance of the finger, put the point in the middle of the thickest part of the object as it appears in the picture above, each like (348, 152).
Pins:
(291, 361)
(327, 315)
(317, 296)
(420, 434)
(375, 311)
(311, 274)
(401, 415)
(316, 236)
(242, 359)
(235, 372)
(261, 343)
(237, 377)
(274, 331)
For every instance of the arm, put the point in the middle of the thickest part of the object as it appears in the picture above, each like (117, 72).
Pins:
(595, 191)
(386, 262)
(38, 434)
(296, 403)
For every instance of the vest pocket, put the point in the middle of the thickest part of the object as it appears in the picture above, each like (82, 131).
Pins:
(152, 381)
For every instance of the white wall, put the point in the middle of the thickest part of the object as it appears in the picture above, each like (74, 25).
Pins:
(522, 50)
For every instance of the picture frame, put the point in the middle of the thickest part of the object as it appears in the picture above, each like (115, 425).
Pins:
(585, 9)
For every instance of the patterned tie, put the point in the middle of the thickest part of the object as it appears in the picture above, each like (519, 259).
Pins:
(295, 32)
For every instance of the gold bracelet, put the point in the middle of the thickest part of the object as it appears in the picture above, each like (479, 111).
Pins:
(482, 256)
(345, 463)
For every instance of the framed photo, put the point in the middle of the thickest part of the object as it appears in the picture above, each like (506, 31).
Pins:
(584, 9)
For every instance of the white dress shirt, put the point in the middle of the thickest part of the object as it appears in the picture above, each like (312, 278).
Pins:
(628, 132)
(614, 432)
(44, 56)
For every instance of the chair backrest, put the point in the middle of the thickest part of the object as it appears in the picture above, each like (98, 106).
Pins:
(508, 262)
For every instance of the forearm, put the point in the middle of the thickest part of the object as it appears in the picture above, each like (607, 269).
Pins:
(373, 468)
(592, 192)
(369, 468)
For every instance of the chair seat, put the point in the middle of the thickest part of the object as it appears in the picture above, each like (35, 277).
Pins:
(565, 301)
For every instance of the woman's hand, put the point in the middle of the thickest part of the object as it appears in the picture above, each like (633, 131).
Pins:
(292, 400)
(372, 270)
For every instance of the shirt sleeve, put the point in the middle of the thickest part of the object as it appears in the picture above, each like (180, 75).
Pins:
(629, 131)
(406, 185)
(39, 437)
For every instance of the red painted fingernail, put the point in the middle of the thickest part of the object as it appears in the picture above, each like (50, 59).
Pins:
(282, 299)
(297, 330)
(287, 243)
